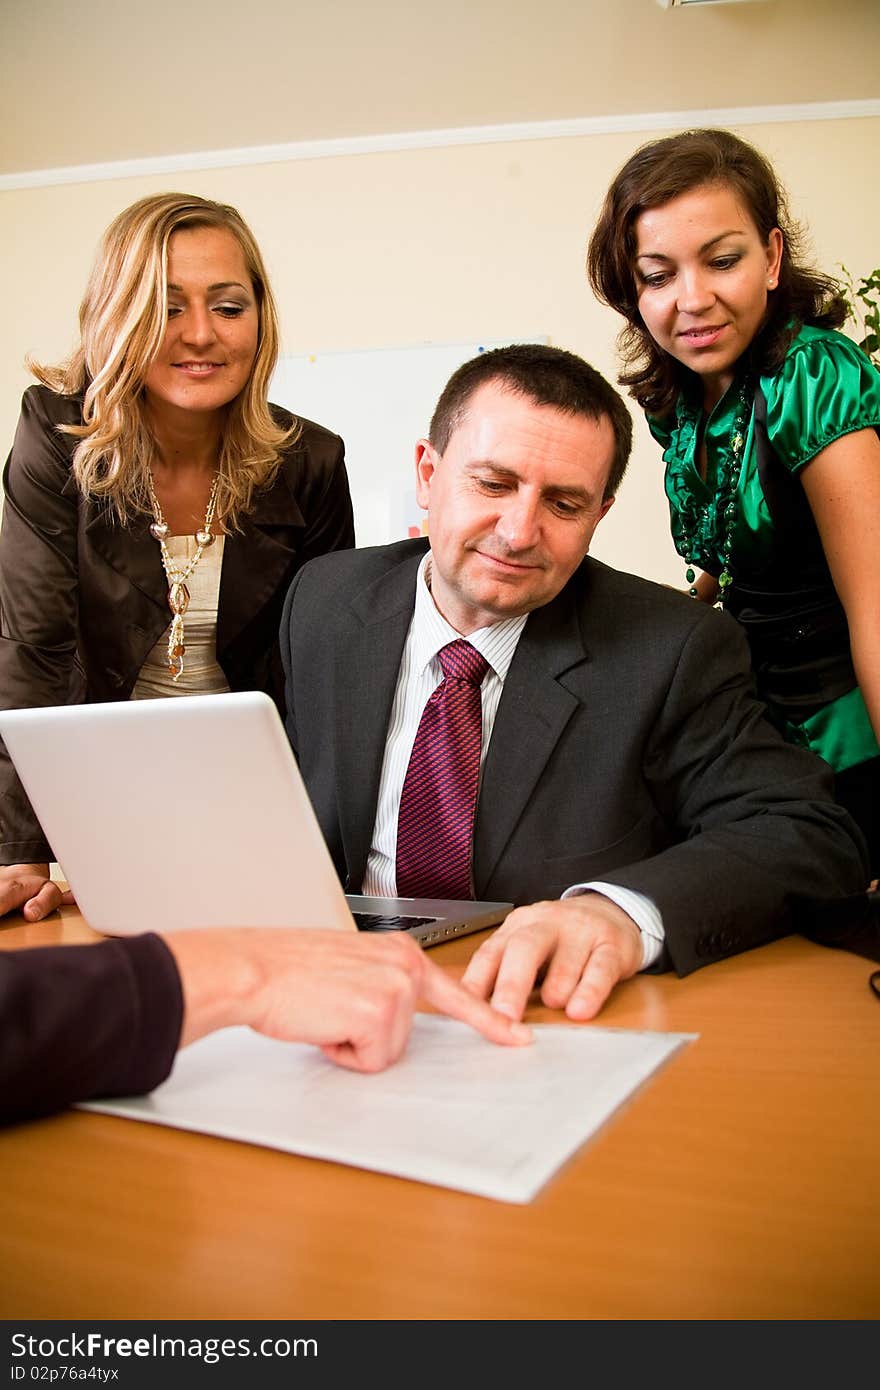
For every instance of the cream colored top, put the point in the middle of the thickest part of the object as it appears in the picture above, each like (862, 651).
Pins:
(201, 673)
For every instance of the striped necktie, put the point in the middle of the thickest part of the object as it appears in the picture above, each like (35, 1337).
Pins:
(436, 818)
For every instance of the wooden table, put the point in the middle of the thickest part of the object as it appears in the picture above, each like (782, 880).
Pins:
(743, 1181)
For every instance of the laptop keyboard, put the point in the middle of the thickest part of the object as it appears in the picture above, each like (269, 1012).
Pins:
(375, 921)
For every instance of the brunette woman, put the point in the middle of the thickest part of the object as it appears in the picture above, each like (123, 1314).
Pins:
(768, 419)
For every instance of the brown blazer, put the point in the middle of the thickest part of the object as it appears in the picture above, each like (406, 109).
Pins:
(83, 599)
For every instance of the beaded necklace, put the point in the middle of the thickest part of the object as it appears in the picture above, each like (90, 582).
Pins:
(177, 575)
(703, 522)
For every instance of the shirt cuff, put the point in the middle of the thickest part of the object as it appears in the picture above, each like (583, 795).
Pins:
(642, 910)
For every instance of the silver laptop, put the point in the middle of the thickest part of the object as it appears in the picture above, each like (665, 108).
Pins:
(190, 812)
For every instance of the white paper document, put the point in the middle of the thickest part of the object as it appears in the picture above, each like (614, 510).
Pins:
(456, 1110)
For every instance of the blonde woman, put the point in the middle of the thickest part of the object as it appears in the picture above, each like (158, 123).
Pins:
(156, 505)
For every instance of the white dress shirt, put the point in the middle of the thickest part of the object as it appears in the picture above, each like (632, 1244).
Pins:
(420, 674)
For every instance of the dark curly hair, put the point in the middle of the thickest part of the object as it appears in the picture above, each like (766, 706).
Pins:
(653, 176)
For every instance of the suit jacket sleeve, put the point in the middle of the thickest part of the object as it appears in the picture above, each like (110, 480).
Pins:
(83, 1021)
(38, 599)
(758, 833)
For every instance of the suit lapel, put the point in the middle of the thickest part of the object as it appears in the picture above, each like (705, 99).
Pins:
(131, 551)
(366, 678)
(256, 561)
(532, 715)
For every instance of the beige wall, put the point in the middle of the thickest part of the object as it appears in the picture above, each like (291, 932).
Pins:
(443, 245)
(111, 79)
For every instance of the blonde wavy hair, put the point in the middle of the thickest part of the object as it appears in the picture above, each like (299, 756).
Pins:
(122, 319)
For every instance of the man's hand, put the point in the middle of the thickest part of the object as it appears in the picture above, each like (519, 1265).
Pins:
(29, 889)
(353, 996)
(584, 944)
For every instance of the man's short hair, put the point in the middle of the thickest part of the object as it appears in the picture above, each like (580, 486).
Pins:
(547, 376)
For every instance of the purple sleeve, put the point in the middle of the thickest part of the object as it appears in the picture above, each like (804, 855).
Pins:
(83, 1021)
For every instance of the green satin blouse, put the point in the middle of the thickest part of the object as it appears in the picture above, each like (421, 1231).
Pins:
(827, 387)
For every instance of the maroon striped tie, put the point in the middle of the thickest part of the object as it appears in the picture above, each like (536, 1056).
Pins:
(436, 819)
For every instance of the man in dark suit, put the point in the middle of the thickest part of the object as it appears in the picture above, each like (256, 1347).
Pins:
(625, 762)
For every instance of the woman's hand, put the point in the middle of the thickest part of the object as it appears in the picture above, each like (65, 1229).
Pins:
(353, 995)
(29, 889)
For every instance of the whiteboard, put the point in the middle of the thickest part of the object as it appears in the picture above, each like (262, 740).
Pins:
(381, 401)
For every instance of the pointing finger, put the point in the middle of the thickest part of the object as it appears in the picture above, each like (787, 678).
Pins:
(443, 993)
